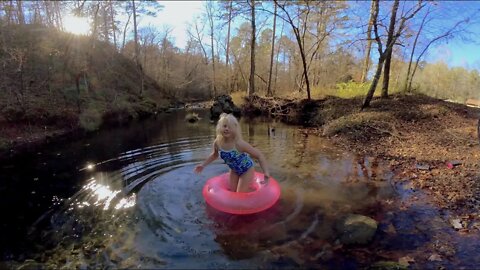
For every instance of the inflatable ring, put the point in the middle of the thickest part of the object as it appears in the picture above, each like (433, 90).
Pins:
(217, 194)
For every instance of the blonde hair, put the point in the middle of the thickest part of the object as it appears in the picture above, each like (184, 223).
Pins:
(233, 124)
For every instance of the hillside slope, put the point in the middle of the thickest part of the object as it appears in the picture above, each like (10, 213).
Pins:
(52, 81)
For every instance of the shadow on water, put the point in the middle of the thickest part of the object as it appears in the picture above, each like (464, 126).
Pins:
(128, 198)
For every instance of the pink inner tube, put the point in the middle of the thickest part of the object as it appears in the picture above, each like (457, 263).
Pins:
(217, 194)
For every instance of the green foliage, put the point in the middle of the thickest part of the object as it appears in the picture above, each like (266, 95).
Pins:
(351, 89)
(440, 81)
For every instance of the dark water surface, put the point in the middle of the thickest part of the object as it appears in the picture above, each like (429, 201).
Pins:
(127, 198)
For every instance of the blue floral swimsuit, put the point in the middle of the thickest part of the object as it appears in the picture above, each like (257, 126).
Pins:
(237, 161)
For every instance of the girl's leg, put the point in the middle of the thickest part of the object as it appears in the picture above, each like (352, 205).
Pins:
(233, 181)
(246, 180)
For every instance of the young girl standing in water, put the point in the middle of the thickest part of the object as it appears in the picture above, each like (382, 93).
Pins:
(236, 153)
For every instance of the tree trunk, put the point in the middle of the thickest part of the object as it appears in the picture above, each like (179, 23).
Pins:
(210, 18)
(389, 48)
(20, 16)
(251, 85)
(366, 63)
(276, 62)
(105, 23)
(137, 61)
(407, 88)
(135, 35)
(227, 53)
(378, 73)
(374, 83)
(304, 62)
(112, 20)
(125, 31)
(386, 73)
(301, 45)
(269, 87)
(93, 39)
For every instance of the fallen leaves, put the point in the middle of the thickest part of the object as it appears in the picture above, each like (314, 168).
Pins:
(435, 258)
(456, 223)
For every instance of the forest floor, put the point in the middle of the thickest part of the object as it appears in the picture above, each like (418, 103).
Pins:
(430, 143)
(427, 141)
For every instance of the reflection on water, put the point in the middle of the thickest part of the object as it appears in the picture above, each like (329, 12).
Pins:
(128, 198)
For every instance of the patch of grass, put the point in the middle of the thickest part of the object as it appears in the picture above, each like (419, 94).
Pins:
(351, 89)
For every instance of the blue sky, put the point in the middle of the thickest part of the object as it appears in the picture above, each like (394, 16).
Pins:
(457, 54)
(176, 14)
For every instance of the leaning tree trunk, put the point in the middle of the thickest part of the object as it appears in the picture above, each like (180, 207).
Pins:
(389, 49)
(375, 80)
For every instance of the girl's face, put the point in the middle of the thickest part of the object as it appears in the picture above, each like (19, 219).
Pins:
(227, 130)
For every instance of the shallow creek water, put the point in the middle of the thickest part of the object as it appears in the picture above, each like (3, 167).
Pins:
(128, 198)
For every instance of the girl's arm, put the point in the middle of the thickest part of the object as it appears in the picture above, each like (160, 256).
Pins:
(256, 154)
(211, 157)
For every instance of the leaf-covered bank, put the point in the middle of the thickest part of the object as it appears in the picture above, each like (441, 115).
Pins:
(429, 142)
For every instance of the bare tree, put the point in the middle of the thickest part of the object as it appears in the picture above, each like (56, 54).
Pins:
(251, 86)
(197, 36)
(135, 34)
(388, 50)
(269, 87)
(366, 63)
(20, 15)
(299, 37)
(227, 51)
(393, 35)
(112, 21)
(209, 12)
(458, 28)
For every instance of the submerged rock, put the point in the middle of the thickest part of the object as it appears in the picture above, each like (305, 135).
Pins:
(356, 229)
(192, 117)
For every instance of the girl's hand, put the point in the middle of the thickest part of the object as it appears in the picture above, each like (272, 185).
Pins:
(199, 169)
(265, 179)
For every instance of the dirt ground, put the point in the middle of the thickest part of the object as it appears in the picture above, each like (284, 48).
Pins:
(427, 141)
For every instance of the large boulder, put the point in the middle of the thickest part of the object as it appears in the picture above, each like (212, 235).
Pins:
(223, 104)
